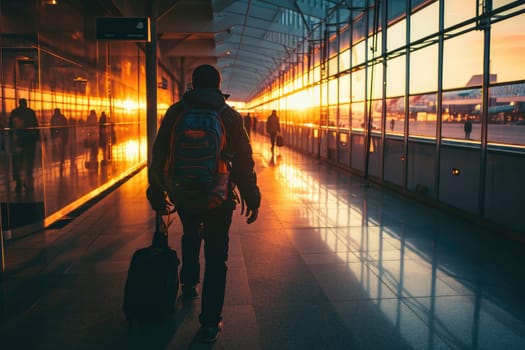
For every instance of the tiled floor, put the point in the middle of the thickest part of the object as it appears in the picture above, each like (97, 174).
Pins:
(331, 263)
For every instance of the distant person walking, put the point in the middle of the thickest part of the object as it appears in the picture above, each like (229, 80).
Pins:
(273, 127)
(468, 128)
(104, 137)
(24, 137)
(91, 140)
(248, 124)
(59, 136)
(254, 123)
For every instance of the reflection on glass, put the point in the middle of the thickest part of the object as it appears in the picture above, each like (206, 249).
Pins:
(395, 76)
(507, 49)
(358, 85)
(375, 81)
(333, 91)
(396, 35)
(375, 45)
(461, 114)
(333, 66)
(358, 116)
(332, 115)
(423, 70)
(344, 89)
(422, 115)
(344, 116)
(462, 60)
(506, 119)
(395, 112)
(499, 3)
(376, 112)
(428, 300)
(344, 60)
(458, 11)
(424, 22)
(358, 53)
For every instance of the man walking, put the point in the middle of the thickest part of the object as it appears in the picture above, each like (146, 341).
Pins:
(24, 137)
(273, 127)
(212, 224)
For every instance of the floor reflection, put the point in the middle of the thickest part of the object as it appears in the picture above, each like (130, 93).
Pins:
(409, 261)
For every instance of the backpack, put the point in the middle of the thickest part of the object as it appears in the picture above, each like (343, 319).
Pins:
(197, 169)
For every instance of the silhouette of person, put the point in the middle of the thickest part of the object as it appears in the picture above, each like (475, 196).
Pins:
(254, 124)
(211, 225)
(392, 124)
(467, 128)
(273, 127)
(24, 137)
(104, 134)
(248, 124)
(59, 135)
(91, 140)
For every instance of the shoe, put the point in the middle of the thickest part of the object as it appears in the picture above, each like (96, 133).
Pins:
(209, 334)
(189, 292)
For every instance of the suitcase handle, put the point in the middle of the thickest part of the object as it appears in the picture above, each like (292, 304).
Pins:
(160, 236)
(160, 224)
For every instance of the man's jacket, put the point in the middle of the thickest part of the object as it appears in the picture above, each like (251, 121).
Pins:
(238, 144)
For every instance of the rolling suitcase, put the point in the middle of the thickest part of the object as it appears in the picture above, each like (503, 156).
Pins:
(152, 282)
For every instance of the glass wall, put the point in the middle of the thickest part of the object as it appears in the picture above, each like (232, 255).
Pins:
(89, 99)
(408, 114)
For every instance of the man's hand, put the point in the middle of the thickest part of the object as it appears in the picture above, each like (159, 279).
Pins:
(157, 199)
(252, 215)
(252, 199)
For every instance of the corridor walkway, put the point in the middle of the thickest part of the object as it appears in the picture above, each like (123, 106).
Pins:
(331, 263)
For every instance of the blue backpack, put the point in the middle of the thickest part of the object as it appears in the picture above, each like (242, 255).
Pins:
(196, 169)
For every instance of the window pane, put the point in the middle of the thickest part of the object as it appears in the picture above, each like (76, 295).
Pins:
(396, 35)
(375, 78)
(332, 91)
(424, 22)
(375, 42)
(395, 111)
(344, 40)
(376, 111)
(333, 45)
(462, 59)
(507, 49)
(499, 3)
(344, 60)
(459, 11)
(458, 108)
(423, 70)
(332, 65)
(358, 116)
(344, 115)
(507, 114)
(359, 30)
(358, 85)
(422, 119)
(358, 53)
(332, 115)
(396, 8)
(344, 89)
(395, 76)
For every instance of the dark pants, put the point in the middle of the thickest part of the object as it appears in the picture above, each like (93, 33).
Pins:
(273, 136)
(23, 164)
(211, 226)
